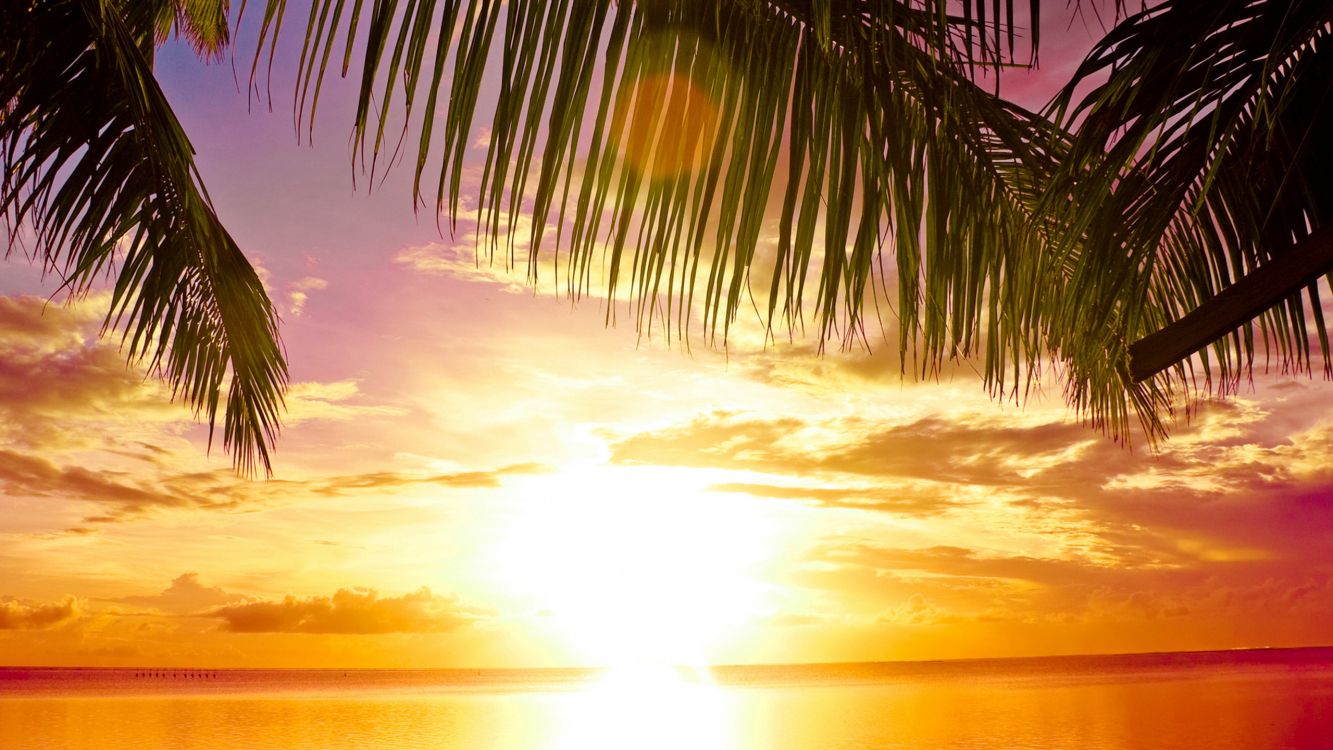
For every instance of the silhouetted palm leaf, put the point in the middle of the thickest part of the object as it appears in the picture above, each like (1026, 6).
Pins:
(665, 132)
(97, 168)
(1202, 154)
(660, 139)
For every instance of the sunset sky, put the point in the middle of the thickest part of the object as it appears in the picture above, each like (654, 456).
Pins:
(477, 473)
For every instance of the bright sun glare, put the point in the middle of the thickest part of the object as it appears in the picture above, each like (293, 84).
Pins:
(637, 567)
(651, 708)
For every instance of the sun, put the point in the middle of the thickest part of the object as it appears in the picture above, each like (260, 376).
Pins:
(637, 565)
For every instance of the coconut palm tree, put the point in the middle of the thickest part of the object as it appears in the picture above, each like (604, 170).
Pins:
(99, 181)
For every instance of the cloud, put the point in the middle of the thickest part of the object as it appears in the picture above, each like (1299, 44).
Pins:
(58, 378)
(120, 497)
(71, 411)
(964, 449)
(717, 440)
(868, 364)
(903, 500)
(1229, 449)
(55, 368)
(969, 451)
(331, 401)
(338, 485)
(185, 594)
(962, 562)
(944, 584)
(28, 322)
(917, 610)
(451, 259)
(298, 293)
(1243, 486)
(349, 611)
(24, 614)
(505, 260)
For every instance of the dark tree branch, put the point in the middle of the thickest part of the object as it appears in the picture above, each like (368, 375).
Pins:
(1231, 308)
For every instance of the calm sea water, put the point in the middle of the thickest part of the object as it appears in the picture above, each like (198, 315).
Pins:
(1220, 701)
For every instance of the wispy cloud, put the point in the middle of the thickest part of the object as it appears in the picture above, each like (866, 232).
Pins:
(298, 293)
(903, 498)
(458, 260)
(346, 483)
(120, 496)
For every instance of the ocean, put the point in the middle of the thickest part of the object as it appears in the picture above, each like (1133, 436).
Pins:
(1226, 700)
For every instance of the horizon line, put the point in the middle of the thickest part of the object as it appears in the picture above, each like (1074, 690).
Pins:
(753, 665)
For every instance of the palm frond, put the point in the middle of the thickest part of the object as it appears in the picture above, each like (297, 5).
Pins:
(666, 133)
(203, 23)
(1200, 157)
(97, 167)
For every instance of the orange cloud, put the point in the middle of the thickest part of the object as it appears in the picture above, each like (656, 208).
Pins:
(338, 485)
(24, 614)
(34, 323)
(53, 368)
(122, 498)
(957, 584)
(718, 440)
(185, 594)
(349, 611)
(903, 500)
(962, 450)
(24, 474)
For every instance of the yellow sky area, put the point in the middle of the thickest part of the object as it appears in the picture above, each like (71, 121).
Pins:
(550, 493)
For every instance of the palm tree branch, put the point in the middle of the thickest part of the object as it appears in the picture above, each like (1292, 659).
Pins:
(97, 166)
(921, 162)
(1190, 169)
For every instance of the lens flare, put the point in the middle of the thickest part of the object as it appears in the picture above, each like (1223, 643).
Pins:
(666, 126)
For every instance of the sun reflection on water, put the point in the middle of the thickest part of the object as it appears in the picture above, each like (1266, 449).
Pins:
(649, 707)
